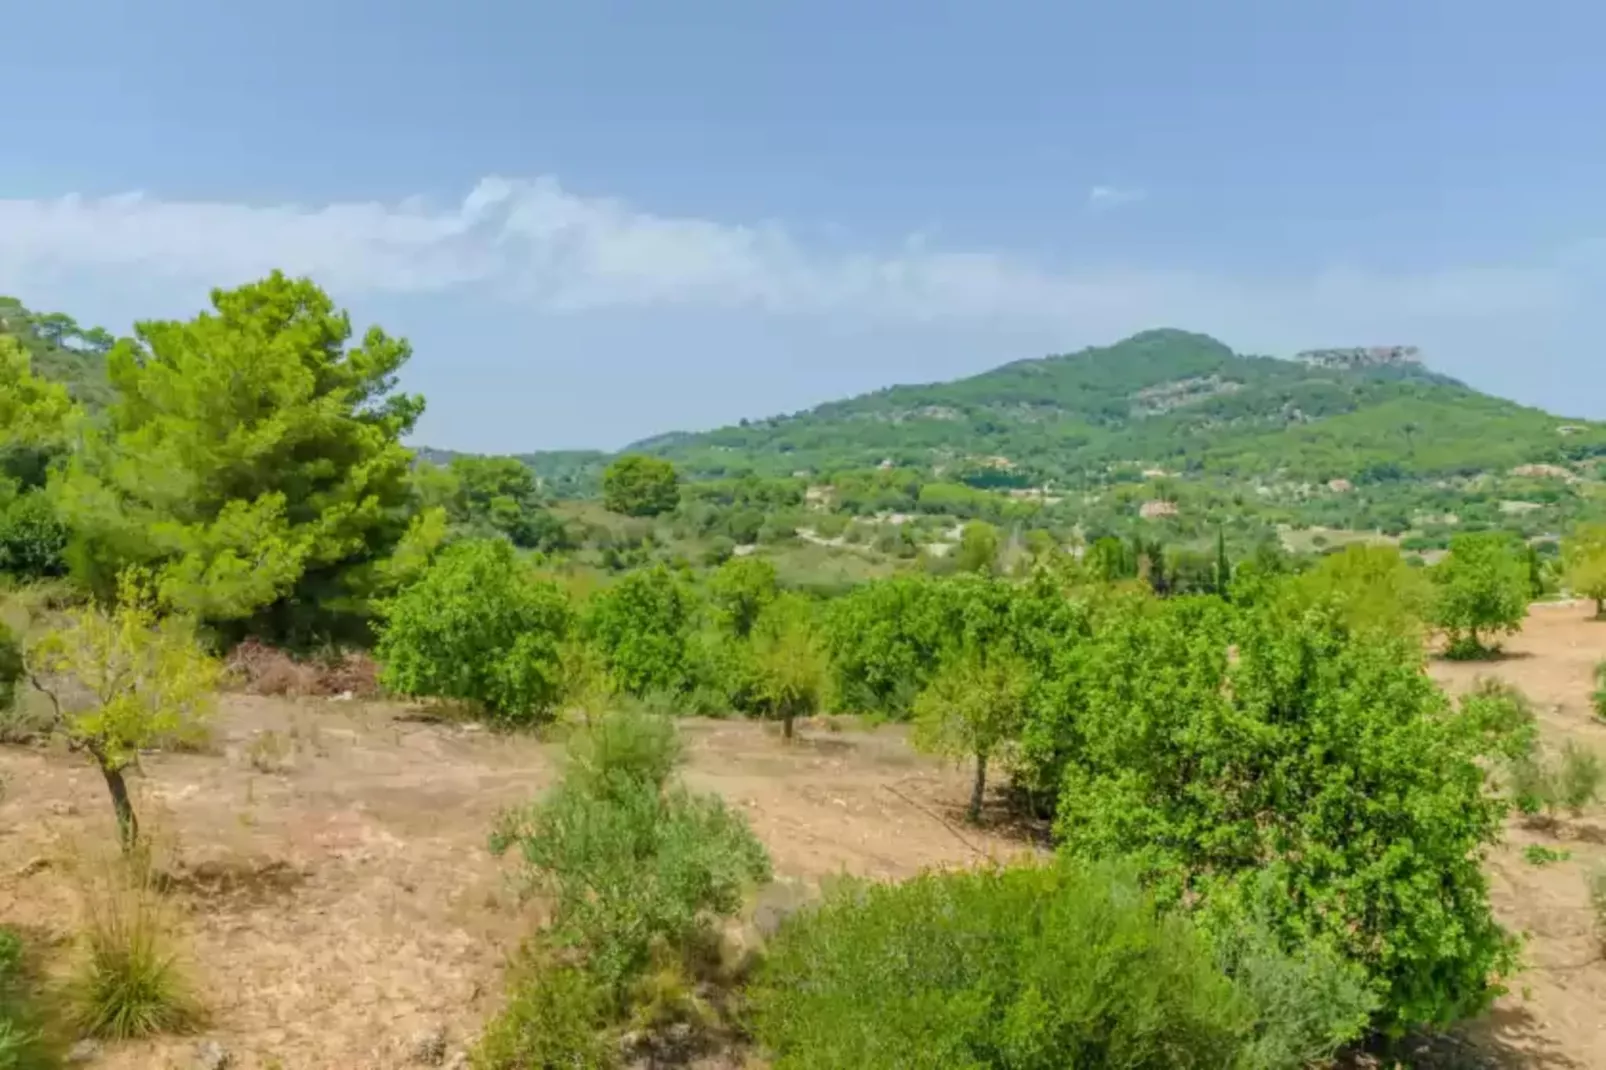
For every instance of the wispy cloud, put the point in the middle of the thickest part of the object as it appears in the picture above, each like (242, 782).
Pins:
(534, 242)
(1104, 198)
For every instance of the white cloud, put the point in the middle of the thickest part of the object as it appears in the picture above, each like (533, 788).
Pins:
(533, 242)
(1104, 198)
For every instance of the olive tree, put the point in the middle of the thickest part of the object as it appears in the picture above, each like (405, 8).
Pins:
(789, 662)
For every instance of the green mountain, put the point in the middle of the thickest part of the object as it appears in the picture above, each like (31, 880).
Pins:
(1163, 399)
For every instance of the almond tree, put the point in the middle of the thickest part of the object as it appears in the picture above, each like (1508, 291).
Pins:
(124, 681)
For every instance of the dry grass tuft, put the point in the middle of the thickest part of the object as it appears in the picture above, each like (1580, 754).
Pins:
(129, 981)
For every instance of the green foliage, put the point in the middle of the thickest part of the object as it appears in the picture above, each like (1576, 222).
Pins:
(123, 681)
(554, 1021)
(975, 705)
(1481, 589)
(1318, 777)
(630, 862)
(1597, 904)
(23, 1044)
(789, 662)
(1370, 586)
(33, 541)
(1034, 967)
(1542, 787)
(1584, 564)
(1502, 716)
(500, 495)
(478, 627)
(643, 625)
(1598, 697)
(12, 668)
(1537, 854)
(739, 591)
(978, 548)
(638, 485)
(253, 459)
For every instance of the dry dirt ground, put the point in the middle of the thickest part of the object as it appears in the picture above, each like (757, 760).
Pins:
(336, 897)
(344, 901)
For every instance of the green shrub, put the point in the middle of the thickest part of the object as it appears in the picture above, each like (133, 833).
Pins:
(1597, 904)
(630, 862)
(1297, 766)
(11, 667)
(23, 1043)
(1541, 788)
(478, 627)
(1502, 715)
(620, 750)
(554, 1021)
(1598, 698)
(33, 542)
(644, 625)
(1031, 967)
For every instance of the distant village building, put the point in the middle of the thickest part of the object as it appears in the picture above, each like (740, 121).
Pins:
(1340, 486)
(1157, 509)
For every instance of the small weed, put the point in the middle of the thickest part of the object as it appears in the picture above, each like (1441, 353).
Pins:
(1597, 904)
(270, 752)
(129, 982)
(1537, 854)
(1541, 788)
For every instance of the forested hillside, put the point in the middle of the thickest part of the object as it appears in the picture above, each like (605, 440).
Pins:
(1165, 399)
(60, 349)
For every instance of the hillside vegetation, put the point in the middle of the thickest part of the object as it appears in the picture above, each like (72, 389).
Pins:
(1163, 398)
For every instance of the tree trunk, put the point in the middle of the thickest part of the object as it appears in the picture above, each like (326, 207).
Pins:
(127, 823)
(786, 725)
(979, 790)
(1600, 608)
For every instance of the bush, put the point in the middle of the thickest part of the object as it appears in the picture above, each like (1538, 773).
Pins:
(1502, 715)
(11, 667)
(478, 627)
(554, 1021)
(33, 541)
(23, 1044)
(643, 626)
(632, 864)
(1289, 764)
(1598, 698)
(1541, 788)
(1034, 966)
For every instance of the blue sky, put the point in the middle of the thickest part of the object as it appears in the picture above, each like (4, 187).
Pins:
(597, 221)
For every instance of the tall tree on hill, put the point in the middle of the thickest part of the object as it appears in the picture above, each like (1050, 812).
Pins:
(253, 458)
